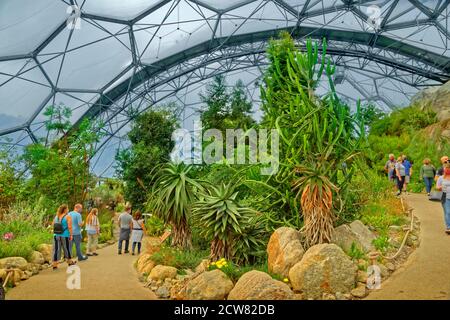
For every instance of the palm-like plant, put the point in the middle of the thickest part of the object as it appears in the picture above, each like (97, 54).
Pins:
(320, 138)
(220, 217)
(172, 197)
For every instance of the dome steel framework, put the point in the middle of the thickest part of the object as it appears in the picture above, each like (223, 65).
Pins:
(118, 58)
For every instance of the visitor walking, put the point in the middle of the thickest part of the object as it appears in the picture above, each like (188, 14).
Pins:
(138, 232)
(408, 172)
(93, 231)
(443, 184)
(400, 175)
(440, 173)
(125, 223)
(390, 167)
(427, 173)
(77, 223)
(62, 235)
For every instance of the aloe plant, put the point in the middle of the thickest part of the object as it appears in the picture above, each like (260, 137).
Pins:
(221, 219)
(320, 138)
(171, 199)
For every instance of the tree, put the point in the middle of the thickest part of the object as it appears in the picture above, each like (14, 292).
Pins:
(60, 170)
(320, 137)
(171, 199)
(225, 110)
(151, 144)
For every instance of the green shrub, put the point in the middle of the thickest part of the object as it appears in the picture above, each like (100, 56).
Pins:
(180, 259)
(26, 239)
(381, 243)
(155, 226)
(355, 252)
(234, 272)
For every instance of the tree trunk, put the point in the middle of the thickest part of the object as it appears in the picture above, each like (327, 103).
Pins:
(181, 235)
(219, 249)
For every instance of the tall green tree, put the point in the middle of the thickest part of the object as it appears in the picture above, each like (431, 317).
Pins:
(225, 109)
(151, 144)
(320, 138)
(60, 170)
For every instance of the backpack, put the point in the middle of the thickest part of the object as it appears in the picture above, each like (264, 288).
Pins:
(58, 227)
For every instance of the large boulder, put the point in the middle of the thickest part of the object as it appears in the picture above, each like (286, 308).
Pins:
(356, 232)
(47, 252)
(161, 272)
(36, 258)
(209, 285)
(284, 250)
(142, 262)
(13, 263)
(257, 285)
(437, 98)
(325, 268)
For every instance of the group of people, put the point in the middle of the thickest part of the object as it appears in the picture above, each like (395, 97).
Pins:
(67, 229)
(399, 172)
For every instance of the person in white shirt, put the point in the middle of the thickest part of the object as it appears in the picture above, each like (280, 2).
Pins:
(93, 231)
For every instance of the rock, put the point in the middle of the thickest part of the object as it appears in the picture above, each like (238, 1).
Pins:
(45, 266)
(202, 267)
(3, 274)
(298, 296)
(147, 268)
(437, 98)
(356, 232)
(328, 296)
(257, 285)
(383, 270)
(178, 290)
(395, 228)
(161, 272)
(325, 268)
(13, 263)
(154, 288)
(340, 296)
(364, 235)
(47, 252)
(360, 291)
(36, 258)
(284, 250)
(142, 262)
(163, 292)
(390, 266)
(361, 276)
(209, 285)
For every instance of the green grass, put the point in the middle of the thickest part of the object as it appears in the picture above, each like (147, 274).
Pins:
(26, 239)
(180, 259)
(355, 252)
(381, 243)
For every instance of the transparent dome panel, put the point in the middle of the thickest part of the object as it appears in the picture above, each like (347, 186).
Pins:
(25, 24)
(184, 26)
(119, 9)
(254, 17)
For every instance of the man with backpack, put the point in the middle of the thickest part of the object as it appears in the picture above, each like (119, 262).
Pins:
(77, 223)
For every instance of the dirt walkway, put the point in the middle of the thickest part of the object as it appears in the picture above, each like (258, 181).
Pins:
(105, 277)
(426, 275)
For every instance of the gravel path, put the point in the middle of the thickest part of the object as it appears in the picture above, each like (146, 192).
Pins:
(426, 274)
(105, 277)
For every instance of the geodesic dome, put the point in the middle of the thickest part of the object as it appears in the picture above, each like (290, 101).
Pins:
(106, 58)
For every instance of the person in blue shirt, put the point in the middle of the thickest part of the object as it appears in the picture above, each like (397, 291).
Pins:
(408, 171)
(62, 237)
(77, 223)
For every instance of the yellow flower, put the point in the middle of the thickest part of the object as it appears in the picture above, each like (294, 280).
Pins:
(213, 263)
(219, 266)
(285, 280)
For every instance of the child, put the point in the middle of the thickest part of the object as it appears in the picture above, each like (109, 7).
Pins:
(138, 232)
